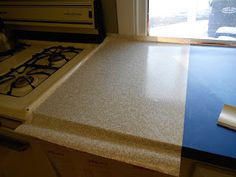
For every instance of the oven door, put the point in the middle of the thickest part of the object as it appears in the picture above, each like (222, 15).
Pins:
(22, 156)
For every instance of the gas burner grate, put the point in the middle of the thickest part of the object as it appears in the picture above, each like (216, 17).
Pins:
(23, 79)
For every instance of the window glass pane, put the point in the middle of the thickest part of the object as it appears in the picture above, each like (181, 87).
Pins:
(200, 19)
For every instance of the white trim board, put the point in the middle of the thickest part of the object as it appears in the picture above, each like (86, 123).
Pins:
(132, 17)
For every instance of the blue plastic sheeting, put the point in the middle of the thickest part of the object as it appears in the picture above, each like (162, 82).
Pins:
(211, 84)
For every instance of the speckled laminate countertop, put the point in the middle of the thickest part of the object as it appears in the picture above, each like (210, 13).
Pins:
(126, 102)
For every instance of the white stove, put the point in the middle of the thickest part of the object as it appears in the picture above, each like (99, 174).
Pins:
(27, 73)
(48, 51)
(27, 77)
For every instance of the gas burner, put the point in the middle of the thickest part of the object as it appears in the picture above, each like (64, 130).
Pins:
(57, 60)
(56, 56)
(23, 79)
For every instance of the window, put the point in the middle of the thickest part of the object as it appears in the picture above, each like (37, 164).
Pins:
(195, 19)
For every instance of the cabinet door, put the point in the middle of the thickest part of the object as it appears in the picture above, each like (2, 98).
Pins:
(73, 163)
(19, 161)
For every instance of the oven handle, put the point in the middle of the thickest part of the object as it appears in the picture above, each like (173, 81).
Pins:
(13, 143)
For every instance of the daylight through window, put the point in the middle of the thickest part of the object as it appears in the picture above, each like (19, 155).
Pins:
(200, 19)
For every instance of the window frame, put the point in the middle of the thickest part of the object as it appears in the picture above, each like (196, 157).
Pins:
(133, 20)
(132, 17)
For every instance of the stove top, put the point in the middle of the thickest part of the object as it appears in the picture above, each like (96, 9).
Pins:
(21, 80)
(30, 75)
(57, 45)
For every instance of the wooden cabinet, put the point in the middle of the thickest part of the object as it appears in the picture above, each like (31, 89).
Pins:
(73, 163)
(193, 168)
(22, 157)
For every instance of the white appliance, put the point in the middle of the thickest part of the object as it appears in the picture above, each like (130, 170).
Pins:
(54, 38)
(37, 65)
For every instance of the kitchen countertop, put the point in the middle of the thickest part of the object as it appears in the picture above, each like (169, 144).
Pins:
(126, 102)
